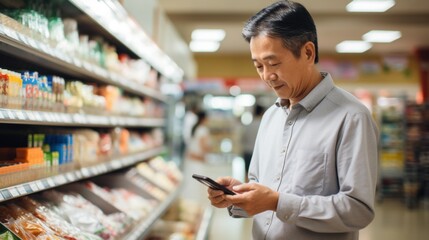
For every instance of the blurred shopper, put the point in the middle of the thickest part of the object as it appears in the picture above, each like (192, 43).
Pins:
(249, 136)
(197, 149)
(199, 144)
(314, 167)
(189, 121)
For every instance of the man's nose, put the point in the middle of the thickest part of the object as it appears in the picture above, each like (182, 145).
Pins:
(267, 75)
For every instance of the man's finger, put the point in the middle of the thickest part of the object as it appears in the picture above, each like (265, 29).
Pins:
(214, 193)
(244, 187)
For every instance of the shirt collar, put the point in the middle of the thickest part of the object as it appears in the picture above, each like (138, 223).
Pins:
(315, 96)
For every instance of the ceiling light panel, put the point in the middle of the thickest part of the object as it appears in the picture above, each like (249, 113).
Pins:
(353, 46)
(370, 5)
(381, 36)
(204, 46)
(208, 34)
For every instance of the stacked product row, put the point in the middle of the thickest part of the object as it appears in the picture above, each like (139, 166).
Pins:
(42, 22)
(94, 209)
(391, 122)
(416, 177)
(81, 146)
(32, 91)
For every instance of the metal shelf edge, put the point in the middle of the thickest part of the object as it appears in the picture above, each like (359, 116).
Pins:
(16, 116)
(143, 227)
(53, 181)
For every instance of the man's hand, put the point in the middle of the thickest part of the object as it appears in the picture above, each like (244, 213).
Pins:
(216, 197)
(253, 198)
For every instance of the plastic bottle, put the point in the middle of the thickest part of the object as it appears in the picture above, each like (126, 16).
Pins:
(27, 90)
(5, 88)
(1, 87)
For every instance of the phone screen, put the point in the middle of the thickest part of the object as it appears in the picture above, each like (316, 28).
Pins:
(212, 184)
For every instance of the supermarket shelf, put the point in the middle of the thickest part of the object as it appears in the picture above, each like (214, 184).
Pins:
(68, 174)
(111, 16)
(28, 117)
(143, 228)
(20, 45)
(205, 224)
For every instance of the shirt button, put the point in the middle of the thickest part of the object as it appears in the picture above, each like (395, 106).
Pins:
(284, 150)
(278, 178)
(290, 122)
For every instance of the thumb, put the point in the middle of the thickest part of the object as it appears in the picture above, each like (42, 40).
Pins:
(245, 187)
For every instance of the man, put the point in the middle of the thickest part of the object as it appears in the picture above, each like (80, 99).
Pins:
(314, 166)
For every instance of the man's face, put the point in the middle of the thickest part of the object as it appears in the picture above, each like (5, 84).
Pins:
(279, 68)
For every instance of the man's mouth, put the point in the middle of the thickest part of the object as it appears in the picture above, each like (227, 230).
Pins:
(278, 87)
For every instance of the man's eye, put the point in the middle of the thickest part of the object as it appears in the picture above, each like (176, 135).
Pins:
(259, 67)
(274, 64)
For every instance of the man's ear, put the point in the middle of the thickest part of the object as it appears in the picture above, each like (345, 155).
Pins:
(309, 51)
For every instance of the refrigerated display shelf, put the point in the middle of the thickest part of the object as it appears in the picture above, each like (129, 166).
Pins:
(68, 174)
(15, 116)
(143, 227)
(21, 45)
(111, 16)
(109, 19)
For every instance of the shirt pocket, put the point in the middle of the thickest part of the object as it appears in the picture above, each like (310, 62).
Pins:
(309, 176)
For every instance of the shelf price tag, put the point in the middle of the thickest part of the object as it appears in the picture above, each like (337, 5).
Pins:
(40, 185)
(55, 117)
(10, 114)
(104, 168)
(60, 179)
(45, 183)
(34, 187)
(21, 115)
(1, 115)
(51, 182)
(14, 192)
(37, 116)
(6, 194)
(21, 190)
(28, 188)
(116, 164)
(31, 116)
(70, 177)
(85, 172)
(78, 175)
(1, 198)
(46, 116)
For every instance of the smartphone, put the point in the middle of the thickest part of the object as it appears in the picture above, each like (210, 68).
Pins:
(212, 184)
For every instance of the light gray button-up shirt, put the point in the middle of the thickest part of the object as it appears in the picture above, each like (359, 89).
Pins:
(321, 156)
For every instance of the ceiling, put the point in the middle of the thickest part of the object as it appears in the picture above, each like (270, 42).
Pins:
(334, 24)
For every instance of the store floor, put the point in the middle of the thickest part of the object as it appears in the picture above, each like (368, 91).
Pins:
(393, 220)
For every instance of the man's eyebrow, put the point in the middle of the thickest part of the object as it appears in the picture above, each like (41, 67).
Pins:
(269, 57)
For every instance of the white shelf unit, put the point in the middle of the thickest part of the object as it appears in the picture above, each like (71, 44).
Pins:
(40, 53)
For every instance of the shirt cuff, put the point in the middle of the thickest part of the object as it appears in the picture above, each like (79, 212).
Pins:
(237, 212)
(288, 207)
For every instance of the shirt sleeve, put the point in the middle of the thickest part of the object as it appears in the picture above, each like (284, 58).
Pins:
(237, 212)
(352, 208)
